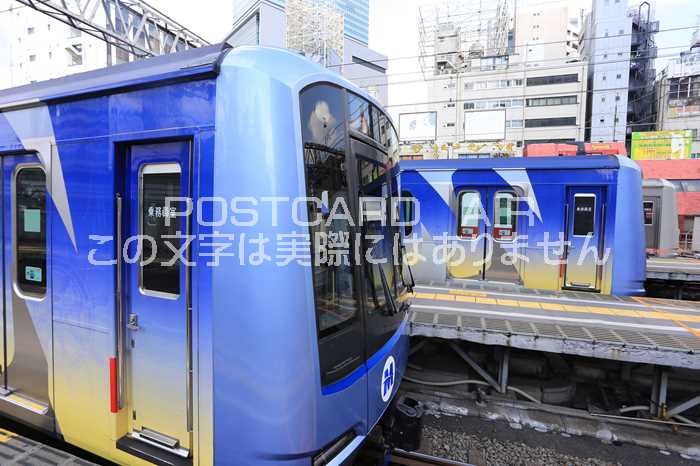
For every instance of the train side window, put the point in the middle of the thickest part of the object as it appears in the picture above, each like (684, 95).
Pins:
(469, 212)
(30, 230)
(504, 216)
(408, 211)
(159, 185)
(648, 213)
(584, 214)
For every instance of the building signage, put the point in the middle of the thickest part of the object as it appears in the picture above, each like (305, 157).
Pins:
(662, 145)
(418, 126)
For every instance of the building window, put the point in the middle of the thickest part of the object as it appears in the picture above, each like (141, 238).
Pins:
(619, 76)
(30, 230)
(32, 57)
(548, 122)
(556, 79)
(30, 31)
(617, 98)
(548, 101)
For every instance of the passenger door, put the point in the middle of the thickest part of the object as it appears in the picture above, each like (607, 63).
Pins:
(486, 235)
(468, 253)
(157, 294)
(584, 234)
(501, 261)
(27, 316)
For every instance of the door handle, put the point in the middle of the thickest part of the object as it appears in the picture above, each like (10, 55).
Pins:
(133, 323)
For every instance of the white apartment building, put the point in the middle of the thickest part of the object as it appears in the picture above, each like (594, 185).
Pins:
(546, 31)
(494, 105)
(35, 47)
(618, 44)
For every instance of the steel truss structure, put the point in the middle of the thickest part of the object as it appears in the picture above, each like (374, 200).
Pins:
(131, 25)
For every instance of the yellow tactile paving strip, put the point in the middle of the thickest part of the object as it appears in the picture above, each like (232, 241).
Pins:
(649, 313)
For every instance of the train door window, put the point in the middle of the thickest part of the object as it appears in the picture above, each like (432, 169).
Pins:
(408, 211)
(30, 230)
(359, 114)
(648, 212)
(469, 212)
(335, 296)
(159, 194)
(504, 216)
(584, 214)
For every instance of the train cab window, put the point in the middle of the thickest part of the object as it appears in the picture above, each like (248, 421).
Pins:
(380, 125)
(336, 299)
(159, 186)
(359, 115)
(504, 215)
(30, 230)
(392, 146)
(469, 213)
(584, 214)
(380, 271)
(323, 117)
(648, 213)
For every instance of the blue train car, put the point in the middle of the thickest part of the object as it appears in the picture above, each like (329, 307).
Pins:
(178, 279)
(549, 223)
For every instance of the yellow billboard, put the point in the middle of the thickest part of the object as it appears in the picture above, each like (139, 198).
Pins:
(662, 145)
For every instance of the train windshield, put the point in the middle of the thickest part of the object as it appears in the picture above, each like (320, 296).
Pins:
(360, 285)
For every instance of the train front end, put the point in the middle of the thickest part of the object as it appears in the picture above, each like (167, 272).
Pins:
(309, 350)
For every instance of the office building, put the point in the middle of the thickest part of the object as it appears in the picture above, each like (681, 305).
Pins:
(678, 95)
(331, 32)
(499, 81)
(618, 43)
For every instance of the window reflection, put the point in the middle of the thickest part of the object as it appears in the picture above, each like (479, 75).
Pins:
(358, 114)
(323, 117)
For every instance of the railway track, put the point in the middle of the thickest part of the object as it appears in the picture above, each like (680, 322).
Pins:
(419, 459)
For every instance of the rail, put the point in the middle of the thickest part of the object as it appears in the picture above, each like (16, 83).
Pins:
(420, 459)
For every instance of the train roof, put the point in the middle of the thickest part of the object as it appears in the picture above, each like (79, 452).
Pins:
(196, 63)
(542, 163)
(174, 67)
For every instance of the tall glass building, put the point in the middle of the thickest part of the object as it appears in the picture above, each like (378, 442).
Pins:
(356, 14)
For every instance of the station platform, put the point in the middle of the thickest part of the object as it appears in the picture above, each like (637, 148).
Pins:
(631, 329)
(16, 449)
(673, 268)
